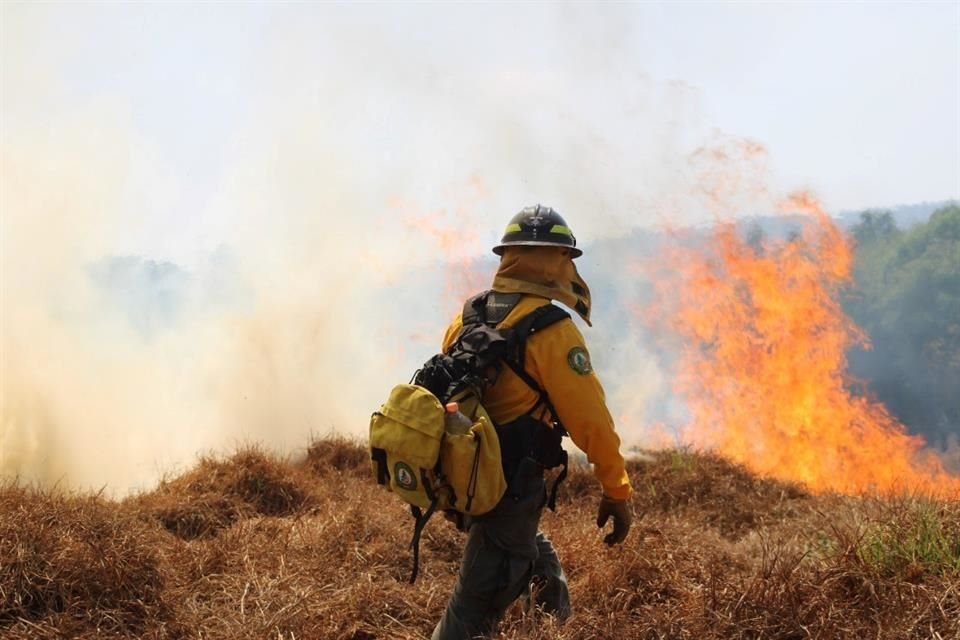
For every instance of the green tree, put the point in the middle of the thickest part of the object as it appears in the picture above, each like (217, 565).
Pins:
(907, 299)
(875, 226)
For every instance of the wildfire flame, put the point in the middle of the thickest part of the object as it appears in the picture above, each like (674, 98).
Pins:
(764, 367)
(453, 242)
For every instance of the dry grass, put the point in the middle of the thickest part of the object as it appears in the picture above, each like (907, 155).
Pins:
(256, 547)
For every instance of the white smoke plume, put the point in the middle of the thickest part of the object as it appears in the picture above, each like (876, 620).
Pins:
(264, 263)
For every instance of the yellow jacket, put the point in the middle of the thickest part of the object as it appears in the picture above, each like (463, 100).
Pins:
(557, 359)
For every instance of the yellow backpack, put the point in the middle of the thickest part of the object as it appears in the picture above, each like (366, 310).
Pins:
(429, 466)
(417, 453)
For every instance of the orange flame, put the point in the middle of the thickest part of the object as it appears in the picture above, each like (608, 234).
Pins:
(452, 242)
(763, 371)
(462, 275)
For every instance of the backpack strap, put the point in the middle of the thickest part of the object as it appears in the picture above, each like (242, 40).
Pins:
(535, 321)
(421, 518)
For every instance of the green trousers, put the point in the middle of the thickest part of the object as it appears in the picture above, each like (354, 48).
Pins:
(504, 554)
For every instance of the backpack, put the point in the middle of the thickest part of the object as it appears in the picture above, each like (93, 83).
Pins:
(417, 458)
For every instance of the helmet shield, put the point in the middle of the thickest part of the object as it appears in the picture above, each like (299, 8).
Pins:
(538, 226)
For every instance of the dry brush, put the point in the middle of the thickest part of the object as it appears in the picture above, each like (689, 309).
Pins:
(254, 546)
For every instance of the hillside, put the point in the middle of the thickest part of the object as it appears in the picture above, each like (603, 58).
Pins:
(252, 546)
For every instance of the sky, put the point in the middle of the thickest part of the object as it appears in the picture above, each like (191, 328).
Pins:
(856, 101)
(266, 167)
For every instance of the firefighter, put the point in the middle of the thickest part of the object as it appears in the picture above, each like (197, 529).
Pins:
(506, 556)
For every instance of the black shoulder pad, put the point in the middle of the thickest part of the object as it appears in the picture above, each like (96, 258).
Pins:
(499, 305)
(489, 307)
(474, 309)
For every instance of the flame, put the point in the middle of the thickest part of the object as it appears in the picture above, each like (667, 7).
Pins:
(764, 368)
(451, 236)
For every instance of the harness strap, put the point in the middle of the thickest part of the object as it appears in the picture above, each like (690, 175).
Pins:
(552, 501)
(421, 521)
(537, 320)
(542, 398)
(474, 475)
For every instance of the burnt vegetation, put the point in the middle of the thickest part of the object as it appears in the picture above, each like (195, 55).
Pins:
(254, 546)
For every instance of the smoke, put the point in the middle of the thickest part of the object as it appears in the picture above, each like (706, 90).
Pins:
(226, 225)
(118, 369)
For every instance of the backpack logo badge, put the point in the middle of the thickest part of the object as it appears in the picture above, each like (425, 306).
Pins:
(404, 475)
(579, 360)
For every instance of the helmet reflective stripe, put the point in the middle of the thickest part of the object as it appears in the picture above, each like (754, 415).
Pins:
(512, 228)
(559, 228)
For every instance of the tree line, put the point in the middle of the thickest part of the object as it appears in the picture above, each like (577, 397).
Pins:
(906, 297)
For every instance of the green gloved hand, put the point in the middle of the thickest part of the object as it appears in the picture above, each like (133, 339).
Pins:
(622, 517)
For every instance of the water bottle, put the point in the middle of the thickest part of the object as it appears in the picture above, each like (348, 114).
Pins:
(454, 422)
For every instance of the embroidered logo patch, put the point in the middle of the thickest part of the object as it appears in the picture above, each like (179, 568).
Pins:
(579, 360)
(404, 476)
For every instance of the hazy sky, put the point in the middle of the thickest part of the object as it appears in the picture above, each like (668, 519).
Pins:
(856, 101)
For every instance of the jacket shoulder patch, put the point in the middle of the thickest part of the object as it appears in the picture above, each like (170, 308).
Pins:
(579, 360)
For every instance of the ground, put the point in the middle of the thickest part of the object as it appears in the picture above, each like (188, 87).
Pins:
(254, 546)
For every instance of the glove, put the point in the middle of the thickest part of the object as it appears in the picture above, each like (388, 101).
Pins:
(622, 517)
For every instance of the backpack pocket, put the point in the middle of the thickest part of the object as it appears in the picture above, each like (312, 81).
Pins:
(405, 441)
(471, 464)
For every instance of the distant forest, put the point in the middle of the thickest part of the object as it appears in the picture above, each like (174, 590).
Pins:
(906, 297)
